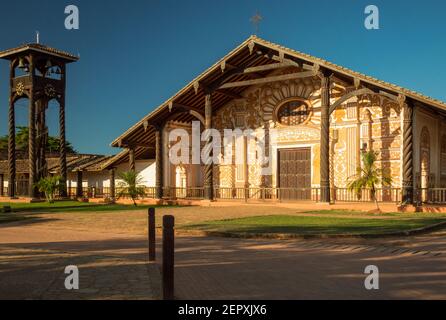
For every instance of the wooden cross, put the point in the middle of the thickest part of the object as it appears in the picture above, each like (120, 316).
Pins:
(255, 20)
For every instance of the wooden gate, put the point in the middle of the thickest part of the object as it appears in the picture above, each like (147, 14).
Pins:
(295, 174)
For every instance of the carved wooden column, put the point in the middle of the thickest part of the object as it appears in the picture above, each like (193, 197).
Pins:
(246, 167)
(2, 182)
(325, 138)
(112, 185)
(32, 169)
(132, 165)
(407, 192)
(63, 150)
(159, 182)
(11, 140)
(41, 139)
(79, 189)
(208, 169)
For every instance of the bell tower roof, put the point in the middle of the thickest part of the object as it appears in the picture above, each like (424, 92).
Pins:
(10, 54)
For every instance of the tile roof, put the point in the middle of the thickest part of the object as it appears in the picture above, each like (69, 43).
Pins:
(40, 48)
(290, 52)
(74, 163)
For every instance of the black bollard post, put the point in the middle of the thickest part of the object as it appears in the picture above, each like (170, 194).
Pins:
(152, 234)
(168, 257)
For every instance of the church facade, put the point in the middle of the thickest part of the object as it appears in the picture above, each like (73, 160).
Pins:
(324, 117)
(315, 119)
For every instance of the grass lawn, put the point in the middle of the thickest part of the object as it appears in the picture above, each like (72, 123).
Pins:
(288, 224)
(69, 206)
(398, 215)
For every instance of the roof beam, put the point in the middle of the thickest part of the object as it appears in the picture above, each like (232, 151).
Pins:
(227, 75)
(273, 66)
(183, 107)
(132, 145)
(229, 93)
(299, 75)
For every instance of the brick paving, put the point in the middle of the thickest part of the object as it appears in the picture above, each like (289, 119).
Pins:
(113, 265)
(33, 260)
(216, 268)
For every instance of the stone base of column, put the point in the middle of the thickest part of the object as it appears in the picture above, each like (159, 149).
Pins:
(159, 193)
(208, 193)
(325, 195)
(407, 196)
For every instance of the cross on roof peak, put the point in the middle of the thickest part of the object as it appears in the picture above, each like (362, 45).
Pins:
(256, 20)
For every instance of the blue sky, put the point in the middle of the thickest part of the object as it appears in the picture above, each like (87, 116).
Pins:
(135, 54)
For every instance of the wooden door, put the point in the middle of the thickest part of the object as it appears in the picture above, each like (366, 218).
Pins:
(295, 174)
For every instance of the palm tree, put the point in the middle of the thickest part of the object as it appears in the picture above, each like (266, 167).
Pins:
(49, 186)
(368, 177)
(131, 184)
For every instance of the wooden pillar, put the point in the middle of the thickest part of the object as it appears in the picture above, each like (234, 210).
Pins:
(407, 192)
(112, 184)
(41, 139)
(63, 150)
(79, 189)
(152, 234)
(32, 169)
(325, 138)
(208, 169)
(2, 182)
(159, 163)
(246, 167)
(168, 266)
(11, 140)
(132, 165)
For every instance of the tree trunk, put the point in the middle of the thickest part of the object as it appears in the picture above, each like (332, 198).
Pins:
(375, 200)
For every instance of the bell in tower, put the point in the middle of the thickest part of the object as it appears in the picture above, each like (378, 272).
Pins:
(38, 73)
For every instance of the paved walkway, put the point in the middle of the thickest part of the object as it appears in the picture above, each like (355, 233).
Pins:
(215, 268)
(33, 258)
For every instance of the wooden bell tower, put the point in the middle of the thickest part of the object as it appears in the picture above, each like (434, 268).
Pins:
(38, 73)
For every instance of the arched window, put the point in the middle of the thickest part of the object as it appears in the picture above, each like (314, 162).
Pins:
(293, 112)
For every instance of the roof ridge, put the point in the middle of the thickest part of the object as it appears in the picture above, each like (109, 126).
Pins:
(367, 77)
(298, 54)
(39, 46)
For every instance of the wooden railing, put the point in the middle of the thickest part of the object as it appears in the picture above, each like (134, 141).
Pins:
(430, 196)
(382, 195)
(184, 193)
(435, 196)
(5, 191)
(280, 194)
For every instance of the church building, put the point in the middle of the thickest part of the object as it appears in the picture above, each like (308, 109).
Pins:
(325, 116)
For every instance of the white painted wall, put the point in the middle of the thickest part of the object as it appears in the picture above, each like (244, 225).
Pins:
(146, 168)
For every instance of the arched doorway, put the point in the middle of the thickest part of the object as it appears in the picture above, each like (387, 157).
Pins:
(424, 163)
(180, 181)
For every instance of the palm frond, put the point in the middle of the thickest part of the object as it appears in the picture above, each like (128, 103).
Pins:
(368, 176)
(131, 184)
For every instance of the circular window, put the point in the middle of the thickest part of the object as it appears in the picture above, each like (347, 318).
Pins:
(293, 112)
